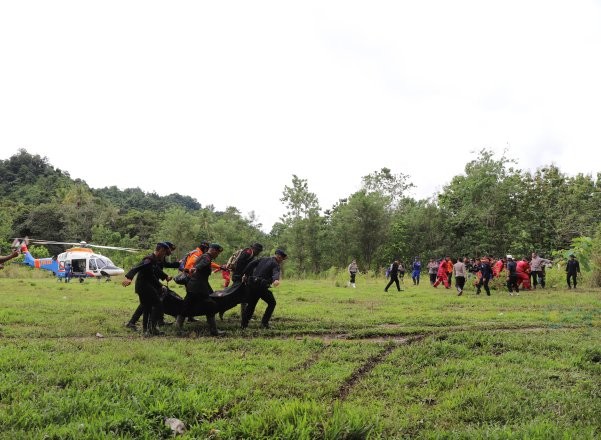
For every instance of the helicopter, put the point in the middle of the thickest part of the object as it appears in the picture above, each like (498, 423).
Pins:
(80, 261)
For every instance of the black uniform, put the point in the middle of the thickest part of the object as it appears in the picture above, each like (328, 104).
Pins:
(261, 273)
(486, 275)
(198, 289)
(149, 288)
(394, 277)
(572, 268)
(512, 276)
(244, 258)
(162, 276)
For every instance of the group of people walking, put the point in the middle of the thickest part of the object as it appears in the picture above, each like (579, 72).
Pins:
(526, 273)
(254, 275)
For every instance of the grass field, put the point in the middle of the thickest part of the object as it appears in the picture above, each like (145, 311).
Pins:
(339, 363)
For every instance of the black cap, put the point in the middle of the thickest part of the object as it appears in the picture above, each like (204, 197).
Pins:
(171, 245)
(162, 245)
(281, 253)
(216, 246)
(257, 247)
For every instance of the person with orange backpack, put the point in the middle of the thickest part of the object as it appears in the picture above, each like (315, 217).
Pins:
(187, 263)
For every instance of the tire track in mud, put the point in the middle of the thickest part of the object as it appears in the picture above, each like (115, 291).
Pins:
(325, 337)
(357, 375)
(394, 342)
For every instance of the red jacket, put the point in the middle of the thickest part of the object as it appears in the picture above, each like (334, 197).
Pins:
(442, 269)
(498, 268)
(523, 266)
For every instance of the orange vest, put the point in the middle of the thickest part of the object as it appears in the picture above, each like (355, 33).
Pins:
(193, 258)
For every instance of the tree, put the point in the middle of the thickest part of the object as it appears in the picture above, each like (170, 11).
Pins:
(481, 208)
(141, 224)
(393, 186)
(6, 221)
(596, 257)
(302, 220)
(363, 223)
(179, 227)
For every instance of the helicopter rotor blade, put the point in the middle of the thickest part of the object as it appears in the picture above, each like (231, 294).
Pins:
(117, 248)
(53, 242)
(82, 244)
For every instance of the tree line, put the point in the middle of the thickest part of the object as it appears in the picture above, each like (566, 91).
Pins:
(493, 208)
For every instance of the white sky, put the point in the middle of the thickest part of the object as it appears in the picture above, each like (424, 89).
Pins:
(241, 95)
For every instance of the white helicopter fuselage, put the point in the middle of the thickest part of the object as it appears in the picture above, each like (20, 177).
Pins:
(84, 262)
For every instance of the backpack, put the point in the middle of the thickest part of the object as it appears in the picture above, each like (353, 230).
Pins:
(182, 278)
(231, 262)
(182, 262)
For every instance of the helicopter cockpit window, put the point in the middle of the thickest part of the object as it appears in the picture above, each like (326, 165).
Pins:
(106, 262)
(92, 264)
(101, 263)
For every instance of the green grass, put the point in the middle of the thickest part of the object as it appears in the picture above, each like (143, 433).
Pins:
(339, 364)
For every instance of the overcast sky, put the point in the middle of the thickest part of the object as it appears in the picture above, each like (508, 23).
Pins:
(237, 96)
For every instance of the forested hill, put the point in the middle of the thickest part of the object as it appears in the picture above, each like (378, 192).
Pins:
(41, 201)
(31, 180)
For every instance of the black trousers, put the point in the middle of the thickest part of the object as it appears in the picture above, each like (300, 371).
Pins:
(353, 277)
(512, 283)
(460, 282)
(483, 282)
(393, 280)
(432, 278)
(152, 309)
(259, 291)
(538, 275)
(573, 277)
(138, 314)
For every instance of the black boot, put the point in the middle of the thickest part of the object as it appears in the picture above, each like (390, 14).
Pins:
(153, 330)
(213, 326)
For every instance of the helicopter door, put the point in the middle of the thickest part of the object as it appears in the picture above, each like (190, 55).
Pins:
(78, 266)
(92, 264)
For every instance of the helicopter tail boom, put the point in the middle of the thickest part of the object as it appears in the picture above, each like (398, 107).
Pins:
(39, 263)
